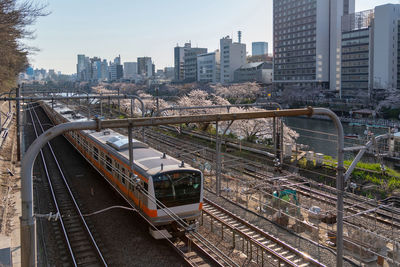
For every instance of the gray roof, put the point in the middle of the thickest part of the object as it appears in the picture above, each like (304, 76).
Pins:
(145, 157)
(251, 65)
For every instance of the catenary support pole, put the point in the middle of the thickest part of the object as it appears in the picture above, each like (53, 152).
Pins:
(218, 160)
(119, 103)
(18, 124)
(339, 181)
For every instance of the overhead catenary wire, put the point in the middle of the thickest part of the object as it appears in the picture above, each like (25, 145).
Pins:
(182, 223)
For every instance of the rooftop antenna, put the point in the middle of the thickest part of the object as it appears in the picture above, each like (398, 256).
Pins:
(240, 36)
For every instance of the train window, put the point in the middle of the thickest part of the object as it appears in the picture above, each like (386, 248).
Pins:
(109, 164)
(116, 170)
(95, 153)
(78, 139)
(178, 187)
(123, 175)
(85, 145)
(101, 158)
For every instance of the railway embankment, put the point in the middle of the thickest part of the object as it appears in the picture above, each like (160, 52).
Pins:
(10, 188)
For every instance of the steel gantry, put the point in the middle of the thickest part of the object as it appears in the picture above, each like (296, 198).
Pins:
(28, 228)
(218, 138)
(18, 100)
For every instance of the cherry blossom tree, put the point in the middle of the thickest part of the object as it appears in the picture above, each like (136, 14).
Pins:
(238, 93)
(391, 100)
(250, 130)
(259, 129)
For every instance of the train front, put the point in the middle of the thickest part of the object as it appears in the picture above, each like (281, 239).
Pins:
(179, 192)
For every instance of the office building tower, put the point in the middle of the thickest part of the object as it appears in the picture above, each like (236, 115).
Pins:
(117, 60)
(370, 56)
(130, 70)
(103, 70)
(259, 48)
(179, 54)
(80, 66)
(208, 67)
(95, 69)
(169, 72)
(83, 68)
(307, 35)
(190, 63)
(115, 70)
(356, 54)
(145, 67)
(233, 55)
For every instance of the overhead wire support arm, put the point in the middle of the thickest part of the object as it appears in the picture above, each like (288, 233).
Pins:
(363, 149)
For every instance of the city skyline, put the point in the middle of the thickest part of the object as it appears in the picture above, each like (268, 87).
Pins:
(95, 31)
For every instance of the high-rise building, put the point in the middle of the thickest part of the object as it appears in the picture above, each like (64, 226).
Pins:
(80, 66)
(356, 55)
(307, 36)
(169, 72)
(259, 48)
(83, 68)
(179, 54)
(117, 60)
(145, 67)
(115, 72)
(370, 52)
(130, 70)
(115, 69)
(190, 63)
(233, 55)
(208, 67)
(95, 71)
(103, 70)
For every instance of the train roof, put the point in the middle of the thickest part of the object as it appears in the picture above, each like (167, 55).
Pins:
(145, 157)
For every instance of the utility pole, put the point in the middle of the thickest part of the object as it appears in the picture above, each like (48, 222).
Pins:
(18, 124)
(157, 103)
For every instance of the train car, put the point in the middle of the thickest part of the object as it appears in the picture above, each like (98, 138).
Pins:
(177, 187)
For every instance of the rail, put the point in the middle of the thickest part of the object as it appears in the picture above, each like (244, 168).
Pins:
(263, 234)
(86, 227)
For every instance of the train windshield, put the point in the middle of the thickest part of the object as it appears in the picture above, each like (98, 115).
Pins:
(177, 188)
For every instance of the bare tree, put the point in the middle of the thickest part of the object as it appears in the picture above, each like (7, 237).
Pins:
(15, 17)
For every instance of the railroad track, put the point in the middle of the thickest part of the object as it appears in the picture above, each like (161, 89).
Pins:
(83, 249)
(353, 204)
(262, 247)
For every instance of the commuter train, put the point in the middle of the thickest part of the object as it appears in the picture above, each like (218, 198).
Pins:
(175, 184)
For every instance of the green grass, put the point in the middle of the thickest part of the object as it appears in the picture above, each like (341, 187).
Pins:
(368, 173)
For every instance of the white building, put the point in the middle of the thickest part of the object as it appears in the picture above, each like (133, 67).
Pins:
(208, 67)
(385, 46)
(307, 35)
(233, 55)
(130, 70)
(370, 52)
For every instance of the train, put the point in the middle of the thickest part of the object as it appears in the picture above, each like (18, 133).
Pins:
(157, 184)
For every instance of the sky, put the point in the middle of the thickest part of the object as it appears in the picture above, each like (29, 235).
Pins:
(135, 28)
